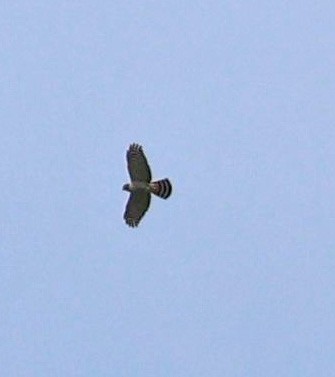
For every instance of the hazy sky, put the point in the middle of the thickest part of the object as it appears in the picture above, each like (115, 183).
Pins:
(234, 275)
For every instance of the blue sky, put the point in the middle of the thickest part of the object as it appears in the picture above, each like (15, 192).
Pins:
(234, 274)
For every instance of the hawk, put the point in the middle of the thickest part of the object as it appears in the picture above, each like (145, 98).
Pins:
(141, 187)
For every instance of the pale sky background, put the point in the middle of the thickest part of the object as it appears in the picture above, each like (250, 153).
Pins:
(234, 275)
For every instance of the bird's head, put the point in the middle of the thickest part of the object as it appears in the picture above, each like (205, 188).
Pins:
(125, 187)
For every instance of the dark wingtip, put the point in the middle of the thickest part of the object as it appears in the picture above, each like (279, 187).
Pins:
(135, 146)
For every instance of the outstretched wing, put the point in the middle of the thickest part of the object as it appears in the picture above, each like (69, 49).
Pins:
(138, 167)
(137, 206)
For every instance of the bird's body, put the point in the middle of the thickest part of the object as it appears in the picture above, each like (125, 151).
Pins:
(141, 187)
(137, 185)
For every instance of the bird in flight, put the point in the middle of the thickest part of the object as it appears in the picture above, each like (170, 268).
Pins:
(141, 187)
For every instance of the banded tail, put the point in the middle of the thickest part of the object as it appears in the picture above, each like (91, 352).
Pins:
(161, 188)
